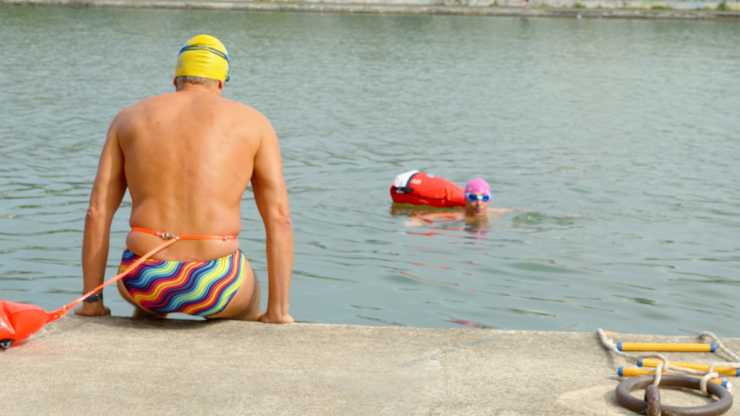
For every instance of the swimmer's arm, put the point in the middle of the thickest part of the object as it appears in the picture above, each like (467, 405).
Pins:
(500, 210)
(105, 198)
(271, 196)
(415, 221)
(431, 217)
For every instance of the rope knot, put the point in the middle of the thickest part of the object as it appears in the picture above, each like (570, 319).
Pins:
(705, 380)
(166, 235)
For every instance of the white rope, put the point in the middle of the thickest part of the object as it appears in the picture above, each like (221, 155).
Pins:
(721, 346)
(667, 366)
(659, 373)
(610, 345)
(705, 380)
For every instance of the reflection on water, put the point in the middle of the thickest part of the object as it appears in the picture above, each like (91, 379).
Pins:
(473, 226)
(531, 218)
(477, 226)
(611, 140)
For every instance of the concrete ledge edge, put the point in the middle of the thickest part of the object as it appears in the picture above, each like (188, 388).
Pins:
(377, 8)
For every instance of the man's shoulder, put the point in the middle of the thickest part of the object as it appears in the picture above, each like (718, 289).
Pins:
(132, 116)
(144, 105)
(242, 109)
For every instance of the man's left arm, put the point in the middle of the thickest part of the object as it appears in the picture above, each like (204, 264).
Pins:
(106, 196)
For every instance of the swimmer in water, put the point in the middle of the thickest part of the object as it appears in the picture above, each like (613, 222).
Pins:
(476, 209)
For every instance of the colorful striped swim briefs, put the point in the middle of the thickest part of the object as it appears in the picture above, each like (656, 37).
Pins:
(202, 288)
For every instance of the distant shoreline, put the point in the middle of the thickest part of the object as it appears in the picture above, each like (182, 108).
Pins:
(627, 9)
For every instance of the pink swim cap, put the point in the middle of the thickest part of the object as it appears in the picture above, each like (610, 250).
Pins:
(477, 186)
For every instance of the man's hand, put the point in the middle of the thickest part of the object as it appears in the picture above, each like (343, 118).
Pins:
(92, 309)
(268, 318)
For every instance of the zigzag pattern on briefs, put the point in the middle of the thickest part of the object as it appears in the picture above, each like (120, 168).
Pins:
(197, 288)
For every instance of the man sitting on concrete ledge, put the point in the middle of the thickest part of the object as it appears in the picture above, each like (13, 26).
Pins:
(186, 158)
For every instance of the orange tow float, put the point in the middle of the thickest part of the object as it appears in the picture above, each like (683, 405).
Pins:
(18, 321)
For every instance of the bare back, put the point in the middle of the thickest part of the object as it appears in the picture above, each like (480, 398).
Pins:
(188, 157)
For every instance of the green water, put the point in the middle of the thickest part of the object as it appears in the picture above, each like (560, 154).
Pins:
(617, 140)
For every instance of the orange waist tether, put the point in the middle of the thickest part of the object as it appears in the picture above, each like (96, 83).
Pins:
(170, 239)
(166, 235)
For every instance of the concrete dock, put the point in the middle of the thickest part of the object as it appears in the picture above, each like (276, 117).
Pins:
(117, 366)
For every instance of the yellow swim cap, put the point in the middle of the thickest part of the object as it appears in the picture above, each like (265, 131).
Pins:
(203, 56)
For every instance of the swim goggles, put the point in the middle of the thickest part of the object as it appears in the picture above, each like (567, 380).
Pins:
(476, 197)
